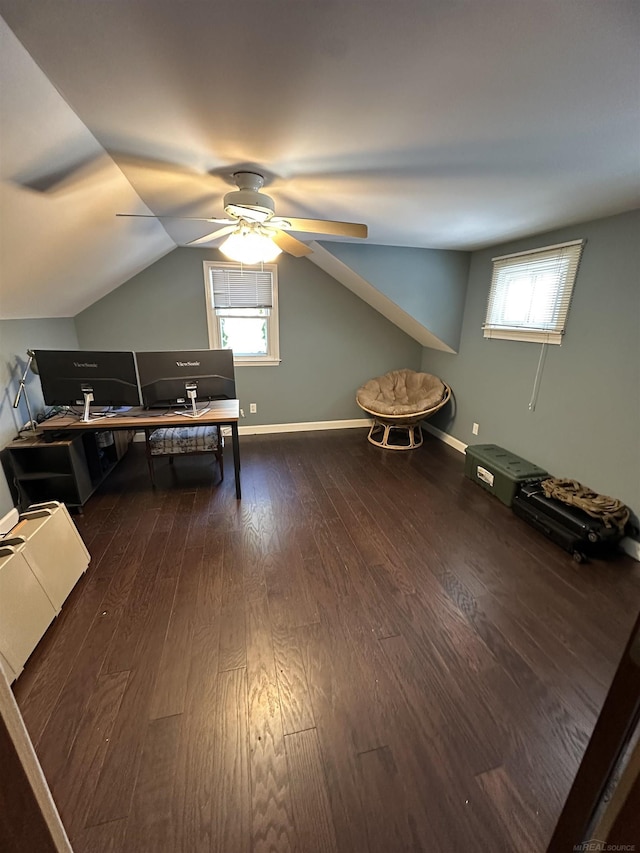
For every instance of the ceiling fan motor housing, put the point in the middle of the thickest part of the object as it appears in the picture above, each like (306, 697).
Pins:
(246, 202)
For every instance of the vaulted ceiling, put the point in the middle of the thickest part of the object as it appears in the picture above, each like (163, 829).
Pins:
(439, 124)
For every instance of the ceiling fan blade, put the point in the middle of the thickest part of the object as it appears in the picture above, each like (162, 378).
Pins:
(290, 245)
(323, 226)
(213, 235)
(170, 216)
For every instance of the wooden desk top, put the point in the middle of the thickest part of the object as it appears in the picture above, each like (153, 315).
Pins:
(220, 411)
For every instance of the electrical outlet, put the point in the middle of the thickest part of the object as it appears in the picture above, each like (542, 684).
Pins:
(476, 429)
(253, 408)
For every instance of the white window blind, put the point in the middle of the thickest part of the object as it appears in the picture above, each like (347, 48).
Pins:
(241, 288)
(242, 311)
(531, 293)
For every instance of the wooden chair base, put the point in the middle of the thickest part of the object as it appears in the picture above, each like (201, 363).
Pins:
(400, 432)
(383, 434)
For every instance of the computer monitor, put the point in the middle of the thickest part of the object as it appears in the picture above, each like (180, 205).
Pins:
(182, 377)
(86, 377)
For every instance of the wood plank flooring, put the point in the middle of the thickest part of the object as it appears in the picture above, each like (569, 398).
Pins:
(367, 654)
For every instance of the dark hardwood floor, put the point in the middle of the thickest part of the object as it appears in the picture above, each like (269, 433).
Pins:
(367, 654)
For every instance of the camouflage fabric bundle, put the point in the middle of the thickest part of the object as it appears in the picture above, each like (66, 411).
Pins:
(611, 511)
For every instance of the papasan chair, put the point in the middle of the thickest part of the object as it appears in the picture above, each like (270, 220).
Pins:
(398, 402)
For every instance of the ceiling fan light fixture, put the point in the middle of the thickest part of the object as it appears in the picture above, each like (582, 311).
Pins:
(249, 205)
(250, 245)
(252, 214)
(256, 235)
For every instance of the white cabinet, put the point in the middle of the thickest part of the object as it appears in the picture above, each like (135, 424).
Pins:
(25, 609)
(41, 559)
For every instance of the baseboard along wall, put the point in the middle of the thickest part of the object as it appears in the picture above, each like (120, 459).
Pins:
(445, 437)
(304, 426)
(628, 545)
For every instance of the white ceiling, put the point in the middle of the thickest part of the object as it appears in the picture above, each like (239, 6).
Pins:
(439, 124)
(59, 251)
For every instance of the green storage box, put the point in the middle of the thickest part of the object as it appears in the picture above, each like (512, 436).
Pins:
(499, 471)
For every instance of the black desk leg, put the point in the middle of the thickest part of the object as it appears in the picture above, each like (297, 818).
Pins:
(236, 457)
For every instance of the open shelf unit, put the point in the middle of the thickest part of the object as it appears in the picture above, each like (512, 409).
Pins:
(68, 469)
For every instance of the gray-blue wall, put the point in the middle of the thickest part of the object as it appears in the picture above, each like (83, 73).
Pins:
(586, 424)
(429, 284)
(587, 420)
(330, 341)
(16, 337)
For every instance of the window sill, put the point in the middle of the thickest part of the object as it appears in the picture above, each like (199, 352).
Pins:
(256, 362)
(531, 336)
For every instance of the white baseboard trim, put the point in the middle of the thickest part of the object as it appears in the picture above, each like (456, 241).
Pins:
(631, 547)
(444, 436)
(8, 521)
(628, 545)
(305, 426)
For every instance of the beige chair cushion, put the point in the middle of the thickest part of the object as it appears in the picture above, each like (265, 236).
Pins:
(401, 392)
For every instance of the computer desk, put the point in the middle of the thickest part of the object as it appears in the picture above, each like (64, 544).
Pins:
(221, 413)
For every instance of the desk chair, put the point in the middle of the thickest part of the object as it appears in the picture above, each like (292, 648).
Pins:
(192, 438)
(177, 441)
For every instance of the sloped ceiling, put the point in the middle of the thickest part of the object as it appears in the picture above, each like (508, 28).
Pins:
(442, 125)
(422, 291)
(59, 251)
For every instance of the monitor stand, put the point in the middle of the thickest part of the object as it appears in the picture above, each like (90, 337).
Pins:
(87, 417)
(192, 391)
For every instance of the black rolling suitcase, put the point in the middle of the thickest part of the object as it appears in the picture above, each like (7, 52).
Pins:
(568, 526)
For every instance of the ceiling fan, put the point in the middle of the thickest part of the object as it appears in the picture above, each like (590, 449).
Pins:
(252, 223)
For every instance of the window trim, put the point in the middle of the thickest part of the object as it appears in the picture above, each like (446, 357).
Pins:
(273, 320)
(532, 333)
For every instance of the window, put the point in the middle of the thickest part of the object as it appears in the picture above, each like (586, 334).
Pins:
(242, 311)
(531, 292)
